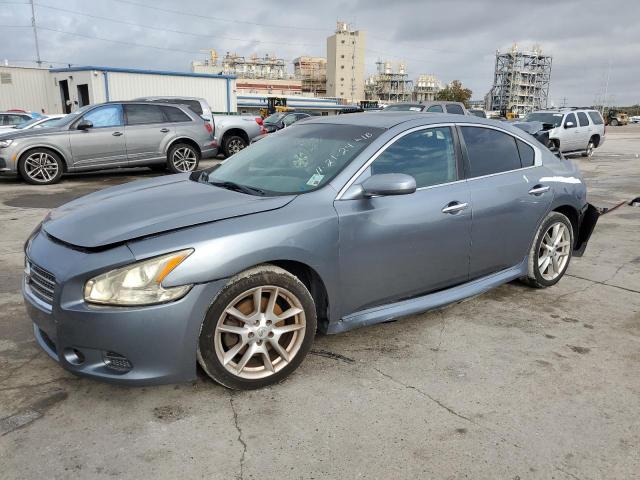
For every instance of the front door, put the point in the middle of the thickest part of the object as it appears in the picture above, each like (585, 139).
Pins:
(102, 145)
(396, 247)
(508, 198)
(146, 130)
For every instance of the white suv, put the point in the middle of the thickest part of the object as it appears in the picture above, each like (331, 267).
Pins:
(574, 130)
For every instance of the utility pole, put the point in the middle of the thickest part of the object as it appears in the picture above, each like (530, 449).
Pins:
(606, 89)
(35, 33)
(564, 102)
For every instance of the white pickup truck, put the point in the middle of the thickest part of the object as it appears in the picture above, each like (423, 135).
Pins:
(232, 133)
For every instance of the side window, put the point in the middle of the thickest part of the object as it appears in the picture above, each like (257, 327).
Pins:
(174, 114)
(490, 151)
(107, 116)
(435, 108)
(527, 155)
(288, 120)
(570, 118)
(596, 118)
(143, 114)
(454, 108)
(582, 118)
(14, 120)
(427, 155)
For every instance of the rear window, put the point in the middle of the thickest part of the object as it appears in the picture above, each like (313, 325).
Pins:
(143, 114)
(582, 119)
(596, 118)
(527, 155)
(490, 151)
(435, 108)
(193, 105)
(454, 108)
(174, 114)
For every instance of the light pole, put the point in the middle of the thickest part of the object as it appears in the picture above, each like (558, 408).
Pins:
(35, 33)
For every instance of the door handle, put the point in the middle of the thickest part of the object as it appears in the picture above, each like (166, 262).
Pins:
(164, 130)
(539, 189)
(116, 134)
(454, 207)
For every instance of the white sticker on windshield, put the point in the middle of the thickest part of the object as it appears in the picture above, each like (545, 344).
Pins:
(315, 180)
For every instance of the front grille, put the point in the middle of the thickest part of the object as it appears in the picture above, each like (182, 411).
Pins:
(117, 362)
(41, 282)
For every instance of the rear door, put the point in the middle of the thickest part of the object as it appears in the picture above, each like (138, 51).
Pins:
(146, 132)
(585, 130)
(101, 145)
(508, 197)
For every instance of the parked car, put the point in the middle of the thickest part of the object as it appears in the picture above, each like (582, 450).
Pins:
(431, 107)
(573, 130)
(478, 112)
(333, 223)
(635, 119)
(10, 119)
(39, 122)
(232, 133)
(278, 121)
(109, 135)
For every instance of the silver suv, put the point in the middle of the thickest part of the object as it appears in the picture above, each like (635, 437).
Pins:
(573, 130)
(109, 135)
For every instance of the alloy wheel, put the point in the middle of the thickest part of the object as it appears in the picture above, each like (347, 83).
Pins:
(260, 332)
(184, 159)
(235, 145)
(554, 251)
(590, 149)
(41, 167)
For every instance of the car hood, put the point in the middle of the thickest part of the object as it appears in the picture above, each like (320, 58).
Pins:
(149, 207)
(29, 132)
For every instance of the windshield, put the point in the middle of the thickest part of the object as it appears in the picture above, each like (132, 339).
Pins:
(553, 118)
(298, 159)
(404, 108)
(40, 123)
(275, 118)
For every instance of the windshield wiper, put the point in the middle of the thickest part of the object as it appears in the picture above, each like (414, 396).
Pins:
(239, 188)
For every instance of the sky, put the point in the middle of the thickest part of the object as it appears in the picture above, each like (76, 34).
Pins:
(590, 41)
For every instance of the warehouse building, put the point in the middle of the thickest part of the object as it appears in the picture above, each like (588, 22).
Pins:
(63, 90)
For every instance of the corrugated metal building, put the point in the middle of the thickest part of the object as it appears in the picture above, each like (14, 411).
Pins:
(62, 90)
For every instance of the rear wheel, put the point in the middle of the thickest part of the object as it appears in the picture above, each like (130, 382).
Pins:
(233, 144)
(614, 123)
(551, 251)
(182, 158)
(41, 167)
(258, 330)
(589, 151)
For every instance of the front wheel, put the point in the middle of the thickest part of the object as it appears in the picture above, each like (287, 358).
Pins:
(551, 251)
(182, 158)
(614, 123)
(41, 167)
(258, 330)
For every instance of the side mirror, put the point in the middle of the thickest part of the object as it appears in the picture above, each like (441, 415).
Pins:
(84, 125)
(385, 184)
(569, 125)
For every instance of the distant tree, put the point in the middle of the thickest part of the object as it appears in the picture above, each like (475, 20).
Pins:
(455, 92)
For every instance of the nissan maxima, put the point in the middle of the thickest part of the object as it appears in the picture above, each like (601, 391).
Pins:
(334, 223)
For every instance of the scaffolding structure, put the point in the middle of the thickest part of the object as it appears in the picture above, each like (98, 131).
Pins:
(521, 81)
(312, 71)
(426, 88)
(387, 85)
(267, 67)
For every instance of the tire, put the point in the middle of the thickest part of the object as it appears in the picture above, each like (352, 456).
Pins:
(182, 158)
(41, 166)
(233, 144)
(544, 273)
(589, 151)
(236, 352)
(614, 123)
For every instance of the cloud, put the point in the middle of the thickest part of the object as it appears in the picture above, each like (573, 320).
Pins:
(454, 39)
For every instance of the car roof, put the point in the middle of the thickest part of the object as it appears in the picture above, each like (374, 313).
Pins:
(386, 120)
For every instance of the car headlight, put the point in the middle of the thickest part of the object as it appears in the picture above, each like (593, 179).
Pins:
(5, 143)
(137, 284)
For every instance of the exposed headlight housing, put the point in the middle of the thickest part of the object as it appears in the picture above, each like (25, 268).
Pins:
(5, 143)
(138, 284)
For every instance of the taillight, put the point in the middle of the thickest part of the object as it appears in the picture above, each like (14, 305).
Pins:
(259, 120)
(263, 131)
(208, 126)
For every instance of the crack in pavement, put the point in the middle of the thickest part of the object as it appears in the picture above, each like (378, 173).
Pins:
(604, 283)
(447, 408)
(240, 439)
(566, 473)
(15, 369)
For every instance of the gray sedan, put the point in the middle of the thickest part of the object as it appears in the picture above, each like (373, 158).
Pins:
(332, 224)
(109, 135)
